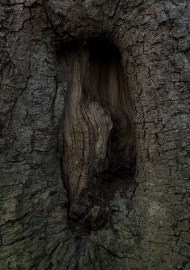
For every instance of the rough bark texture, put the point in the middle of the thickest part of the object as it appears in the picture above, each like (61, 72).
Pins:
(149, 225)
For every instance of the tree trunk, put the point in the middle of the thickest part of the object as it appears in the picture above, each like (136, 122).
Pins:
(94, 134)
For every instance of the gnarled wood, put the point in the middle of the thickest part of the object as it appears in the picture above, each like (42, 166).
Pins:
(149, 225)
(97, 129)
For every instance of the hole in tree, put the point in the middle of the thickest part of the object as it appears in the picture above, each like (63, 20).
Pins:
(99, 155)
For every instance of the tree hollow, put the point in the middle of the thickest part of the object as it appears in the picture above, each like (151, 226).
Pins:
(99, 141)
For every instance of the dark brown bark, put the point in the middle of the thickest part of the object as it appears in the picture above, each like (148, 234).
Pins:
(148, 227)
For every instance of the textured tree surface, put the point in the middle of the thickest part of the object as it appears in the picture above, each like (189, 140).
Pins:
(72, 114)
(97, 132)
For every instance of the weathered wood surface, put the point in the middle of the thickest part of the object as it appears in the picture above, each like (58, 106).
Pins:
(97, 104)
(149, 227)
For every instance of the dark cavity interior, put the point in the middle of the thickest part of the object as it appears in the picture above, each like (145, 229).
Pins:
(99, 154)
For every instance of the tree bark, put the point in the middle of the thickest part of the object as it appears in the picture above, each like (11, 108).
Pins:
(50, 92)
